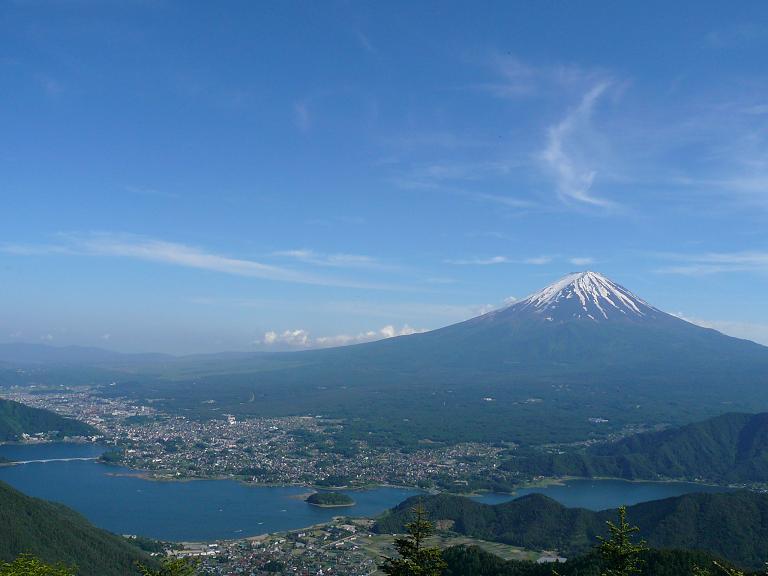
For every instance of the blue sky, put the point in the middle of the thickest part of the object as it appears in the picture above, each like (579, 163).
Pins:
(201, 176)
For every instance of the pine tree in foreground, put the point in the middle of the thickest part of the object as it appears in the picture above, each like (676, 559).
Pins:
(26, 565)
(620, 554)
(415, 559)
(721, 570)
(171, 567)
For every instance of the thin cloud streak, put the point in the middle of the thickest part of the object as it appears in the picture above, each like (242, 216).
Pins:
(581, 261)
(573, 178)
(492, 260)
(176, 254)
(340, 260)
(715, 263)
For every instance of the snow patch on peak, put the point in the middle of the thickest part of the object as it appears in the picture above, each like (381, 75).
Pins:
(587, 295)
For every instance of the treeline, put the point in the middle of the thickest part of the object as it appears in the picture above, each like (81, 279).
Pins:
(619, 553)
(731, 448)
(463, 560)
(30, 565)
(728, 525)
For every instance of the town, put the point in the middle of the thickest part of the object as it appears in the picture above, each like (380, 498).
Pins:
(287, 451)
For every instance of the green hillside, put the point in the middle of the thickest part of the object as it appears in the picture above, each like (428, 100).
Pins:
(725, 449)
(56, 533)
(17, 419)
(731, 525)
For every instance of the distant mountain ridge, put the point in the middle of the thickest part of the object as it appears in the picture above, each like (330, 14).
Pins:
(733, 526)
(56, 533)
(731, 448)
(17, 419)
(20, 353)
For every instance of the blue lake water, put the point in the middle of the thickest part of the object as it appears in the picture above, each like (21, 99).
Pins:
(221, 509)
(195, 510)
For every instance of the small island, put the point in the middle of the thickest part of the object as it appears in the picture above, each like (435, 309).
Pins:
(330, 500)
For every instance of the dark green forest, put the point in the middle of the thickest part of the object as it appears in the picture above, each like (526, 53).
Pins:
(17, 419)
(466, 560)
(728, 525)
(55, 533)
(731, 448)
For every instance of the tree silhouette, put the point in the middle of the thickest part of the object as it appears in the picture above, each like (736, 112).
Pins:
(722, 570)
(619, 553)
(415, 559)
(27, 565)
(171, 567)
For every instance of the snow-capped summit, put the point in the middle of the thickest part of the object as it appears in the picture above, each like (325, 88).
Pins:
(585, 296)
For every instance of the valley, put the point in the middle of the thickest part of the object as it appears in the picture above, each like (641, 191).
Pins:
(221, 450)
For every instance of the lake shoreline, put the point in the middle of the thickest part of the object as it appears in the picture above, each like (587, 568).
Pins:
(183, 510)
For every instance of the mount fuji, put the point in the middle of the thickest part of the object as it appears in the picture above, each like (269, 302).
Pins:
(582, 296)
(582, 357)
(582, 324)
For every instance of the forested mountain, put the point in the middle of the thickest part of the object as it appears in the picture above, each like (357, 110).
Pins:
(727, 448)
(464, 560)
(733, 526)
(56, 533)
(17, 419)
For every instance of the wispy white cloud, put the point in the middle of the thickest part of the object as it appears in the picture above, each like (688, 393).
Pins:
(177, 254)
(20, 249)
(574, 175)
(300, 338)
(517, 79)
(50, 86)
(508, 201)
(742, 34)
(537, 260)
(332, 260)
(302, 116)
(439, 175)
(365, 42)
(746, 185)
(437, 140)
(428, 312)
(581, 261)
(493, 260)
(715, 262)
(755, 109)
(487, 261)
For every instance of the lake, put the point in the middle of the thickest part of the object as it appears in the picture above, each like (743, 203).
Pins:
(194, 510)
(223, 509)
